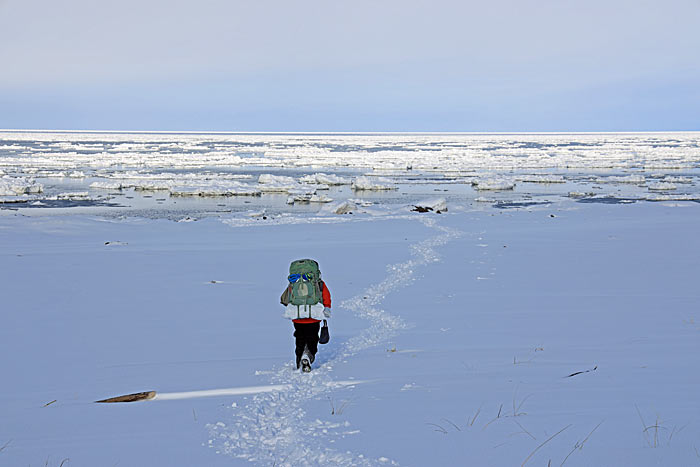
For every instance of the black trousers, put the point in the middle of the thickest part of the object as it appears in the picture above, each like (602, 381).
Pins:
(306, 336)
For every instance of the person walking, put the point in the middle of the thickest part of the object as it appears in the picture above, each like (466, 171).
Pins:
(307, 301)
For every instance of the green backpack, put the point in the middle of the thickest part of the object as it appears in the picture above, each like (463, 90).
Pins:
(304, 282)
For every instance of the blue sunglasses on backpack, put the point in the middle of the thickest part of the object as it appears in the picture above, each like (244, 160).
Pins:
(295, 277)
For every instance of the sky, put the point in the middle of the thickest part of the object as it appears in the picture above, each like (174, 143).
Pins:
(334, 65)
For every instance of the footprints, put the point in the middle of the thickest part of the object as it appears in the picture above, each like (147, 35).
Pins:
(272, 429)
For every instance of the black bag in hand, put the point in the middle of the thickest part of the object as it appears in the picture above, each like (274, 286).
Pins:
(325, 336)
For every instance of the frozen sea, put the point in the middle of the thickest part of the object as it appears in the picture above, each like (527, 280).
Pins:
(498, 299)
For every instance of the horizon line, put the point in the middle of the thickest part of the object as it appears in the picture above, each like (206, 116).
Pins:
(281, 132)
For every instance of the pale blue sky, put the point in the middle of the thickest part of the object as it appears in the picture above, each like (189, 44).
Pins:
(269, 65)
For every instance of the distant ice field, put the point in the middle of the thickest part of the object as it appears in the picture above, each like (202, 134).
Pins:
(282, 176)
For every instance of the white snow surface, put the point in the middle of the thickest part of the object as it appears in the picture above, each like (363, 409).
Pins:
(520, 329)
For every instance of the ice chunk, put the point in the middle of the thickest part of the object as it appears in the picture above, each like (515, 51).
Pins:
(674, 197)
(634, 179)
(308, 198)
(73, 196)
(108, 185)
(372, 183)
(278, 184)
(671, 179)
(325, 179)
(542, 179)
(269, 179)
(580, 194)
(345, 207)
(493, 184)
(361, 202)
(214, 190)
(662, 186)
(10, 186)
(436, 205)
(151, 186)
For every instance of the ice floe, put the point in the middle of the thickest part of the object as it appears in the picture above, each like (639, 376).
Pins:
(581, 194)
(308, 198)
(109, 185)
(372, 183)
(541, 178)
(672, 179)
(662, 186)
(13, 186)
(214, 190)
(634, 179)
(326, 179)
(672, 197)
(493, 184)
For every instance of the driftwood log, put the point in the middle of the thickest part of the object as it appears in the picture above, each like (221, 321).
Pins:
(139, 396)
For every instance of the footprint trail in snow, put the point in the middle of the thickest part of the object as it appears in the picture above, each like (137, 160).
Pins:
(273, 429)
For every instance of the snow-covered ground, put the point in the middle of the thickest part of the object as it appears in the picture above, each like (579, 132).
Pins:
(550, 317)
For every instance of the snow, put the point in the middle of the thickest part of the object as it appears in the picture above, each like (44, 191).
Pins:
(524, 329)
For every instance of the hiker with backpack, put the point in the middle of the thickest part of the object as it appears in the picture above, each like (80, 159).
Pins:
(307, 302)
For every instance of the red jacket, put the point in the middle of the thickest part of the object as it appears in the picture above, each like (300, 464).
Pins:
(326, 299)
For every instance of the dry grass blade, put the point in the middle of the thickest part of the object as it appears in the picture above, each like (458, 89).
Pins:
(64, 461)
(578, 445)
(524, 430)
(497, 417)
(538, 447)
(475, 415)
(450, 422)
(515, 411)
(49, 403)
(438, 428)
(644, 426)
(5, 445)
